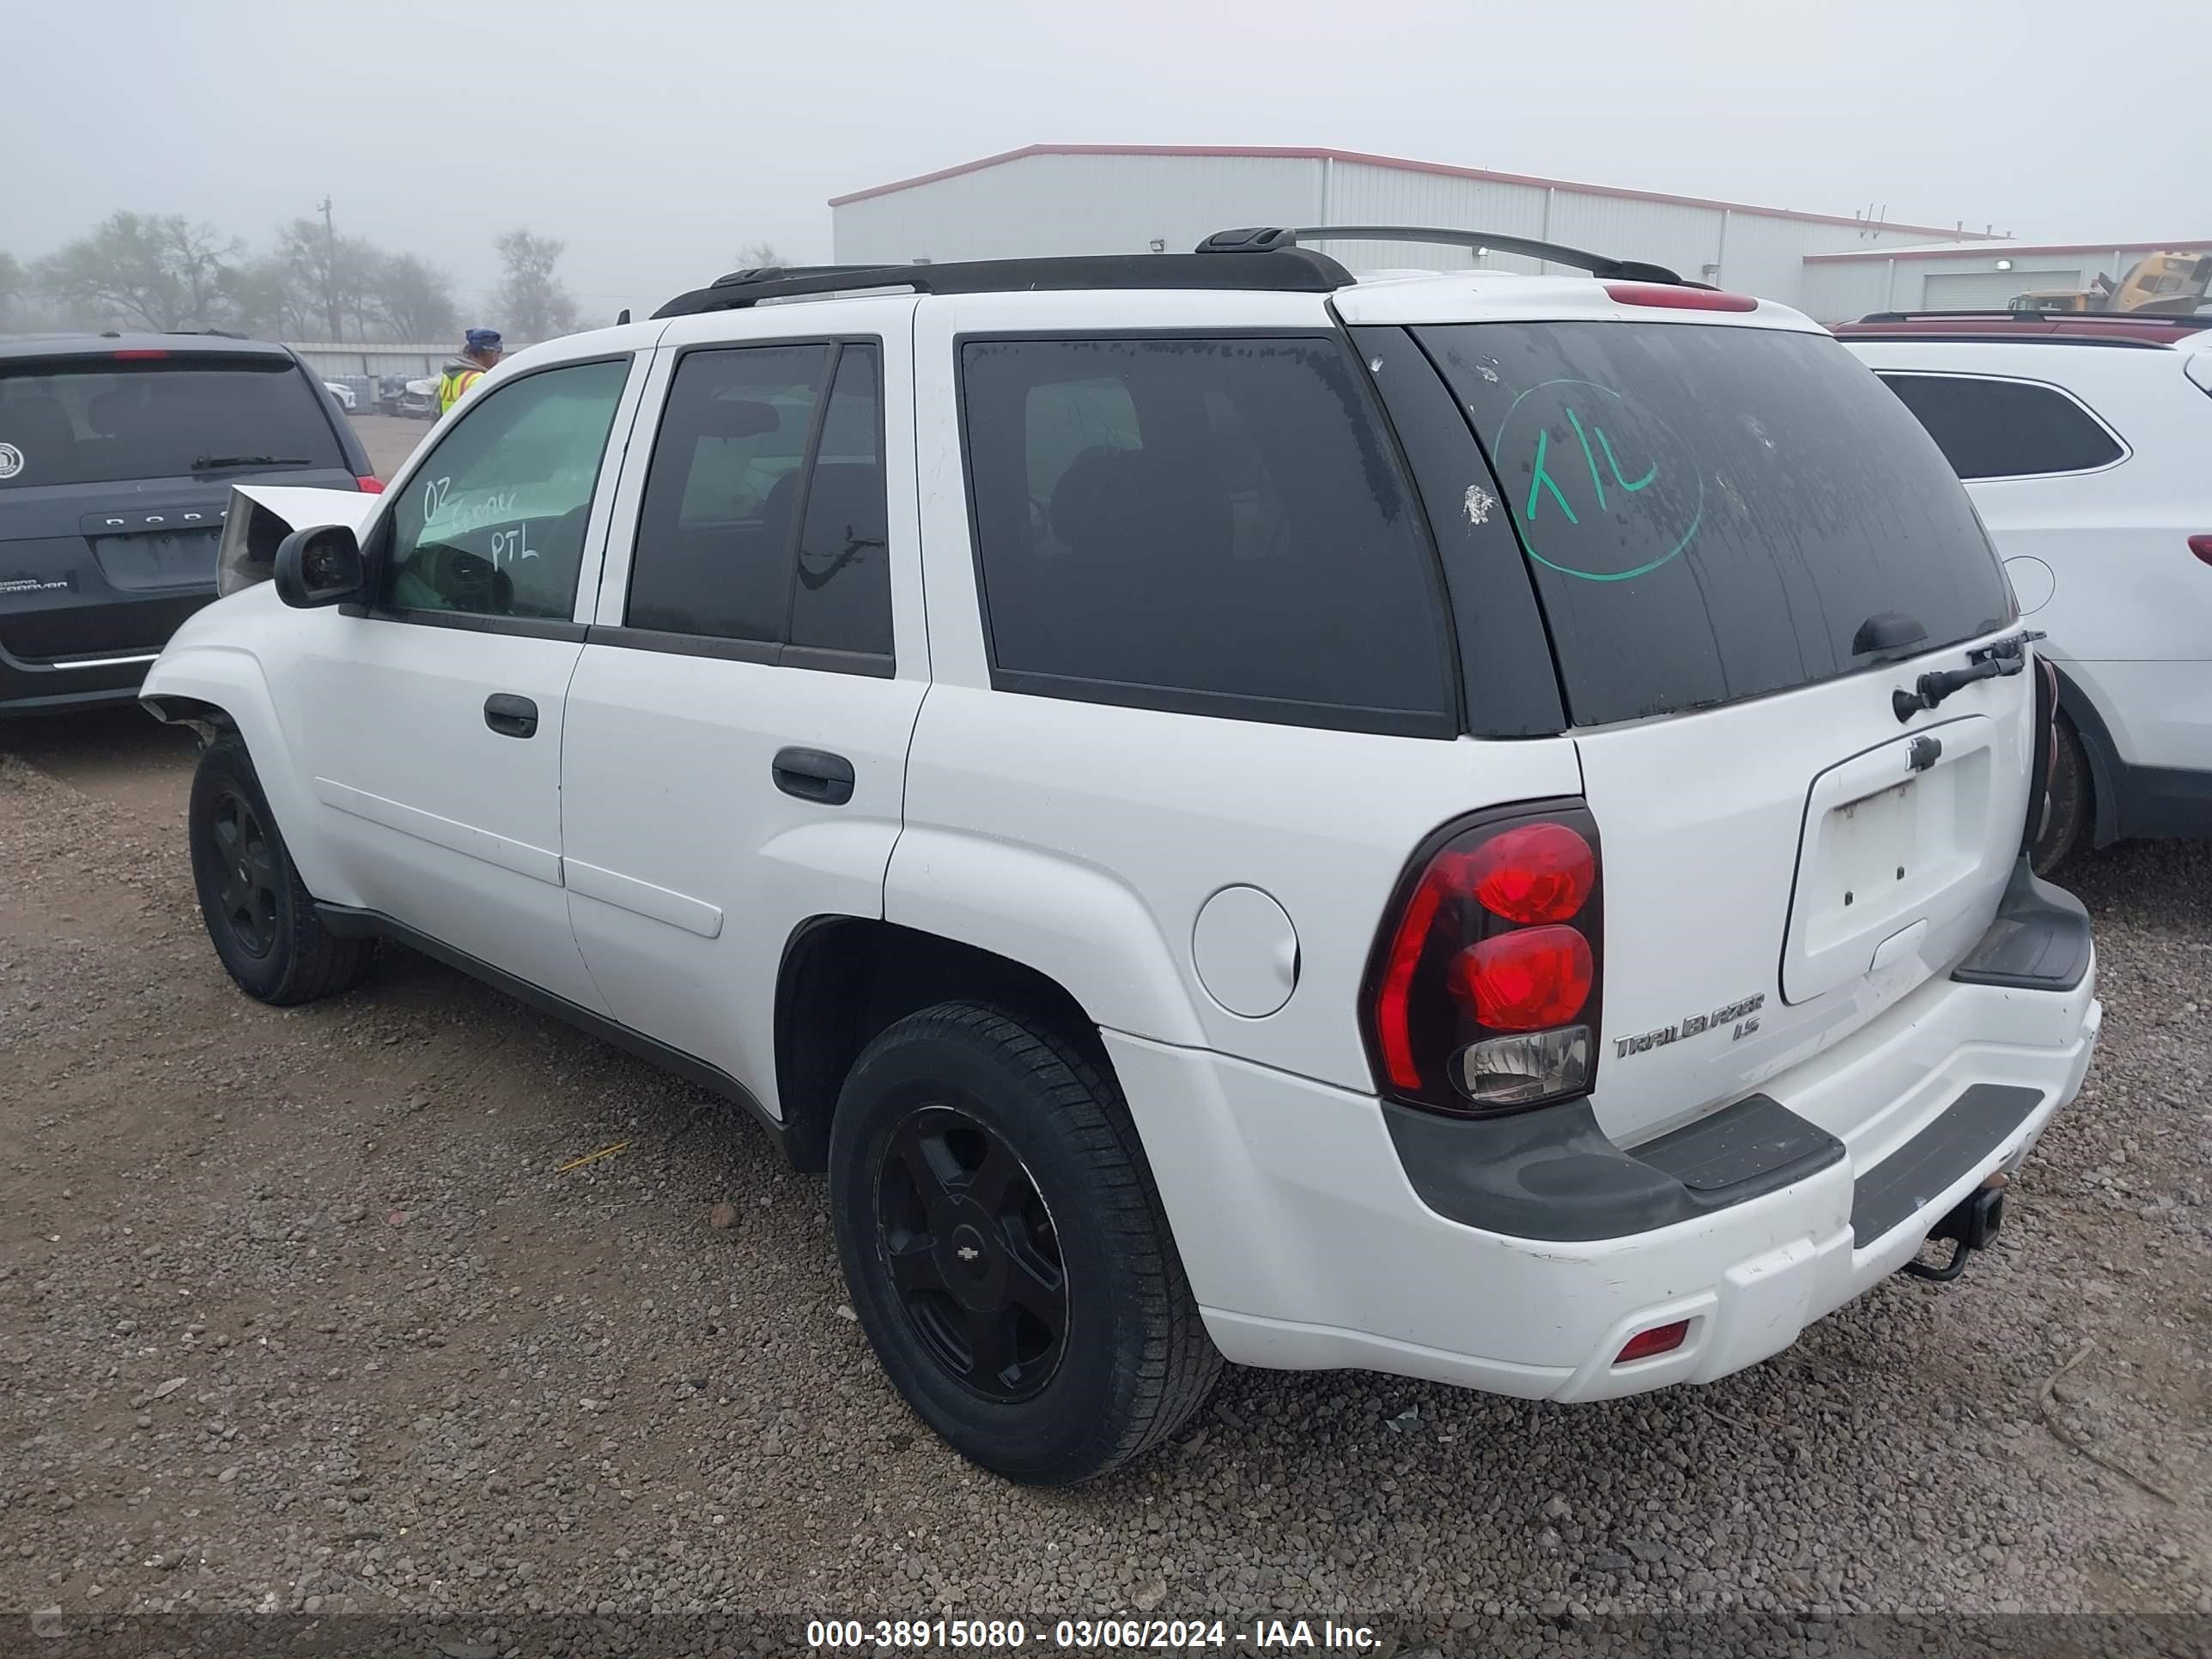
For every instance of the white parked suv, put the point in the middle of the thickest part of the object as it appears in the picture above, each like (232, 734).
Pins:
(1466, 825)
(2085, 442)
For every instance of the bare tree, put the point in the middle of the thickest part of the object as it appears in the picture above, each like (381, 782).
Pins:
(760, 256)
(330, 276)
(411, 298)
(142, 269)
(264, 300)
(531, 303)
(12, 281)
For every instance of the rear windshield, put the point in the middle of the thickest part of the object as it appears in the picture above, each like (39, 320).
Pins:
(104, 422)
(1714, 512)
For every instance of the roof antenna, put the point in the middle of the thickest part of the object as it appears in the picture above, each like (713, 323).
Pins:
(624, 318)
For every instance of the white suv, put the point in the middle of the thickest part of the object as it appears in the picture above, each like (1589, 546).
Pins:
(1466, 825)
(2087, 444)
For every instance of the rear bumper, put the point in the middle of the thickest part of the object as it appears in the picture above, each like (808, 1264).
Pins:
(1309, 1246)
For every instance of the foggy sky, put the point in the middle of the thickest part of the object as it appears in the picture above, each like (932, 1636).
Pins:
(658, 137)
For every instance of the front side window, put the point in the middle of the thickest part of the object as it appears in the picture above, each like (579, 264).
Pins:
(493, 523)
(2005, 429)
(1212, 525)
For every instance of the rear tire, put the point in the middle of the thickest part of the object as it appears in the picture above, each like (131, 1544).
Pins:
(259, 914)
(1005, 1247)
(2066, 825)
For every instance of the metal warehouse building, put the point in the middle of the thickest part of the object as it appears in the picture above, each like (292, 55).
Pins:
(1955, 277)
(1116, 198)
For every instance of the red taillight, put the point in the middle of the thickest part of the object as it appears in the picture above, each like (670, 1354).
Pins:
(1660, 1339)
(1538, 872)
(1677, 299)
(1529, 980)
(369, 484)
(1483, 992)
(2202, 547)
(139, 354)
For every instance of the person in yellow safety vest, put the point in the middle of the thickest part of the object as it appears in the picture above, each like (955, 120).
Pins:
(480, 350)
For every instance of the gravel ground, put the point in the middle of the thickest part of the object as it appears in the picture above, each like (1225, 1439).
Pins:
(300, 1311)
(389, 440)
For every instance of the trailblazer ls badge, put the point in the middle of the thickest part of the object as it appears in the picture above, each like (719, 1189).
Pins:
(1743, 1015)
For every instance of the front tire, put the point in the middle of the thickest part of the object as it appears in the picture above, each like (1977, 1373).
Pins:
(259, 914)
(1005, 1247)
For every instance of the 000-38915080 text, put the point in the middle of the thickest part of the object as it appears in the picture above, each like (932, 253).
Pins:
(921, 1633)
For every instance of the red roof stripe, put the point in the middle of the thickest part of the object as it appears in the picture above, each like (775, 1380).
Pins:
(1277, 152)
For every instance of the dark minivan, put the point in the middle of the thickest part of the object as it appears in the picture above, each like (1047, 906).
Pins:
(116, 456)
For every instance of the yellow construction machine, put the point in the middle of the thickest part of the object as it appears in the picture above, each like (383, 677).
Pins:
(2157, 285)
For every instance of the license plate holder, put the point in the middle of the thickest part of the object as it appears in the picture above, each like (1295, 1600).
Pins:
(157, 559)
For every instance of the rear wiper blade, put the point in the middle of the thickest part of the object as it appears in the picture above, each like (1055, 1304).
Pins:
(2005, 658)
(214, 462)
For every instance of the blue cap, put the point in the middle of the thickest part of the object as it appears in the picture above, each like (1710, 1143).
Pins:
(480, 338)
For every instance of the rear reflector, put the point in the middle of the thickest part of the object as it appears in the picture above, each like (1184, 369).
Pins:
(369, 484)
(2202, 547)
(1660, 1339)
(1678, 298)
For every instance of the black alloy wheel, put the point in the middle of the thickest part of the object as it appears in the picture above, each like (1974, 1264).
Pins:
(972, 1251)
(1005, 1245)
(250, 883)
(260, 916)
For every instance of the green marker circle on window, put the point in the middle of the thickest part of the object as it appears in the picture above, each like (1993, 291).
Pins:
(1602, 488)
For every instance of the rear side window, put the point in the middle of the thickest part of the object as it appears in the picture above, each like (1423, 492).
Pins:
(1713, 513)
(1211, 526)
(104, 422)
(840, 599)
(721, 499)
(765, 516)
(2005, 429)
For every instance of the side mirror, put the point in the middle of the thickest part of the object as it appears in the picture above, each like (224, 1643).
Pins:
(321, 565)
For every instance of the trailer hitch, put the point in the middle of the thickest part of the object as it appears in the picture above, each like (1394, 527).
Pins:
(1970, 1226)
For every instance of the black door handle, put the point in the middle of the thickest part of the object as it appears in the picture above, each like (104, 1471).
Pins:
(814, 774)
(511, 716)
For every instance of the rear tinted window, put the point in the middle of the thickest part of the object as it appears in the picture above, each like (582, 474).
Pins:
(1212, 525)
(106, 421)
(723, 495)
(2005, 429)
(1712, 513)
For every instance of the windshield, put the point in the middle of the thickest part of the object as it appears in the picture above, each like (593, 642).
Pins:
(1715, 512)
(104, 422)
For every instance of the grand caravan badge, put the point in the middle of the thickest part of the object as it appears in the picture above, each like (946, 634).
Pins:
(1742, 1016)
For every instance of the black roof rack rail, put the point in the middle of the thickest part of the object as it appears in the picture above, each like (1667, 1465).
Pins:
(1291, 270)
(1275, 238)
(772, 273)
(217, 333)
